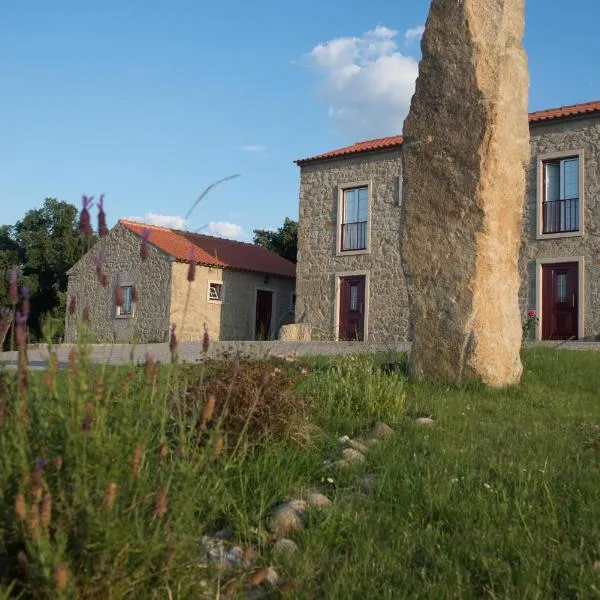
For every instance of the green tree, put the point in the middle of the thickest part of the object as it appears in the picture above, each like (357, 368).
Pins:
(283, 241)
(44, 245)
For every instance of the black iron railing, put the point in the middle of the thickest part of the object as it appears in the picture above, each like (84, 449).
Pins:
(354, 236)
(561, 216)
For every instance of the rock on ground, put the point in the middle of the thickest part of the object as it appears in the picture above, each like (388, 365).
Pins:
(466, 144)
(288, 517)
(284, 549)
(381, 430)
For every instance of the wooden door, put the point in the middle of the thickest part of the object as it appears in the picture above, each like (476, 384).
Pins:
(560, 302)
(264, 311)
(352, 308)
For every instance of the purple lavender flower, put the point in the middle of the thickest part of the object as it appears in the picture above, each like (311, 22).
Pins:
(40, 463)
(25, 303)
(85, 226)
(21, 323)
(144, 245)
(192, 265)
(102, 228)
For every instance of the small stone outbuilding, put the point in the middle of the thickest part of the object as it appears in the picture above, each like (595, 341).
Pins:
(240, 291)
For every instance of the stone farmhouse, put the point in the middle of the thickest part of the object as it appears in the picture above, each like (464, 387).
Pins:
(241, 291)
(350, 284)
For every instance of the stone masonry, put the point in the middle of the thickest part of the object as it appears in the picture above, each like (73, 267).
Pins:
(121, 249)
(466, 143)
(565, 136)
(319, 265)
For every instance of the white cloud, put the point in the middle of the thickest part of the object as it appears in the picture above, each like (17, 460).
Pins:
(414, 35)
(256, 148)
(225, 230)
(172, 221)
(366, 80)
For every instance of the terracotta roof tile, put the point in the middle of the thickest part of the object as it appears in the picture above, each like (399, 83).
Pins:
(395, 141)
(213, 251)
(379, 144)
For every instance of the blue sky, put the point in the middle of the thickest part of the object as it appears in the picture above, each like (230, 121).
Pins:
(150, 102)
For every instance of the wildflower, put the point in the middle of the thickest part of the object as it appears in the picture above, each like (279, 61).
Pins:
(209, 410)
(20, 507)
(192, 264)
(23, 562)
(205, 340)
(99, 388)
(532, 314)
(163, 452)
(304, 371)
(13, 279)
(25, 303)
(61, 577)
(99, 260)
(217, 447)
(21, 333)
(136, 461)
(72, 305)
(173, 344)
(87, 420)
(102, 228)
(119, 298)
(161, 503)
(34, 523)
(46, 513)
(85, 226)
(86, 315)
(110, 495)
(144, 244)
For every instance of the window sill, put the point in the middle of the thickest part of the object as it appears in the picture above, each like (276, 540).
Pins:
(215, 301)
(353, 252)
(555, 236)
(123, 317)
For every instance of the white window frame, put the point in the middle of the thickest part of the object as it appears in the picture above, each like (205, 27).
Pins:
(338, 276)
(340, 217)
(539, 292)
(118, 313)
(541, 160)
(212, 300)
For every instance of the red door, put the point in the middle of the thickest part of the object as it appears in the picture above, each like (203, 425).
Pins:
(352, 308)
(560, 289)
(264, 310)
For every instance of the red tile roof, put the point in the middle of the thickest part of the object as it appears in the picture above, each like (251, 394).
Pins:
(379, 144)
(551, 114)
(563, 112)
(213, 251)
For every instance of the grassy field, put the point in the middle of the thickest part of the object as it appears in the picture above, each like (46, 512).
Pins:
(108, 478)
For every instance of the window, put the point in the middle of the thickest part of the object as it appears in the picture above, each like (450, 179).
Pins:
(126, 310)
(355, 219)
(560, 195)
(215, 291)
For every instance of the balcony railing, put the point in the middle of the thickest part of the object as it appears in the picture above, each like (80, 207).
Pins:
(354, 236)
(561, 216)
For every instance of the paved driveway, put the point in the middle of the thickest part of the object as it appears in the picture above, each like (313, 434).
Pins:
(192, 351)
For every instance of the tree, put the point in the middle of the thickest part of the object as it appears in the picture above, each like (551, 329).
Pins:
(43, 245)
(283, 241)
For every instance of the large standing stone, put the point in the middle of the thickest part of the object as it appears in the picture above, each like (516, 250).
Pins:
(466, 145)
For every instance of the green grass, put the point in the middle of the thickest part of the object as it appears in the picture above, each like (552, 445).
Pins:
(499, 500)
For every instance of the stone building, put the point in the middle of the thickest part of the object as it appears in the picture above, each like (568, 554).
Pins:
(350, 283)
(240, 291)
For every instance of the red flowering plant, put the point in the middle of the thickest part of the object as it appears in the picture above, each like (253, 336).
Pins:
(530, 325)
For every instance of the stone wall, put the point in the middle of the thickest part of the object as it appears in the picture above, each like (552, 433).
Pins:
(232, 318)
(150, 322)
(565, 135)
(317, 261)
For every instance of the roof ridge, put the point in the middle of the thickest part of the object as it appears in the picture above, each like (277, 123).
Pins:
(203, 235)
(565, 106)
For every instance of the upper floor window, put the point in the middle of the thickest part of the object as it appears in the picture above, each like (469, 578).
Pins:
(560, 195)
(354, 226)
